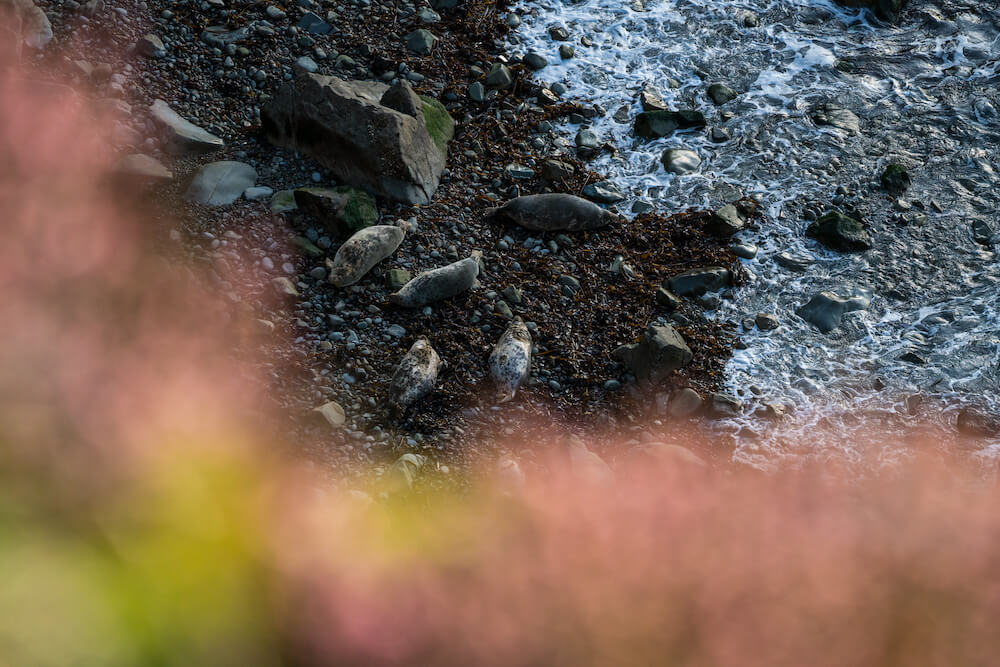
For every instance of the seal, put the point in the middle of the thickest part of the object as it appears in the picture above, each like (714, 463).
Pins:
(361, 252)
(440, 283)
(510, 361)
(553, 212)
(414, 377)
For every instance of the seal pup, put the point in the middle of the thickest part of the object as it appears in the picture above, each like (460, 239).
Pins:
(414, 377)
(553, 212)
(361, 252)
(440, 283)
(510, 361)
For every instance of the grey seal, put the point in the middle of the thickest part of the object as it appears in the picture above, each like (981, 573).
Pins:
(361, 252)
(554, 212)
(440, 283)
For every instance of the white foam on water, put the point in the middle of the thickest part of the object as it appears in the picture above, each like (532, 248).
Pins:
(782, 69)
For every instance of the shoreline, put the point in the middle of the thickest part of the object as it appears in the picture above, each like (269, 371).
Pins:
(573, 385)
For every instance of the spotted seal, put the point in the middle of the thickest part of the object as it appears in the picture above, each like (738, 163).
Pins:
(361, 252)
(414, 377)
(510, 361)
(553, 212)
(440, 283)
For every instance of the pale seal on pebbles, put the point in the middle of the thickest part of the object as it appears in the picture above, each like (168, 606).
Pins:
(414, 377)
(361, 252)
(510, 361)
(554, 212)
(437, 284)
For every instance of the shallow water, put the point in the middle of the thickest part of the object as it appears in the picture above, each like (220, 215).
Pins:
(927, 92)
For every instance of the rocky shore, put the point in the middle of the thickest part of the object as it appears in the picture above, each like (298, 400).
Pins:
(245, 125)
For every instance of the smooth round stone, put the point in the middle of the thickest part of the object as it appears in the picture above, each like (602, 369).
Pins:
(744, 250)
(680, 161)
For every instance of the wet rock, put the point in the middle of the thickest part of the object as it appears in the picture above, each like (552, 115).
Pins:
(437, 284)
(697, 282)
(826, 310)
(839, 232)
(651, 100)
(744, 250)
(344, 127)
(312, 23)
(535, 61)
(766, 322)
(603, 193)
(835, 116)
(553, 212)
(477, 92)
(720, 135)
(662, 123)
(499, 77)
(792, 261)
(982, 233)
(685, 403)
(566, 51)
(895, 179)
(343, 209)
(182, 136)
(978, 423)
(220, 183)
(283, 201)
(680, 161)
(659, 353)
(722, 406)
(720, 93)
(558, 33)
(725, 222)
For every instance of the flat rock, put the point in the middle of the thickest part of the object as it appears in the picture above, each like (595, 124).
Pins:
(183, 136)
(839, 232)
(221, 183)
(725, 221)
(835, 116)
(663, 123)
(142, 168)
(826, 310)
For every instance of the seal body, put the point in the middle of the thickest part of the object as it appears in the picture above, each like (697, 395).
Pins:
(437, 284)
(414, 377)
(361, 252)
(510, 361)
(554, 212)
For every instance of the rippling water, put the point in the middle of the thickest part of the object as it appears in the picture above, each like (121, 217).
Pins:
(927, 92)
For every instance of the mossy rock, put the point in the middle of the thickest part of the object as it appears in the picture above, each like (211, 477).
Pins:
(438, 121)
(896, 179)
(344, 209)
(841, 233)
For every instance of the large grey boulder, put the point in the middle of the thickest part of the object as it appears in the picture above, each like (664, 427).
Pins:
(826, 310)
(345, 127)
(659, 353)
(22, 22)
(183, 136)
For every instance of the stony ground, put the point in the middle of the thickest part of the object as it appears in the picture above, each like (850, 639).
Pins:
(221, 60)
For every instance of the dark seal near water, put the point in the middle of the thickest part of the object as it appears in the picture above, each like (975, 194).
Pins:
(553, 212)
